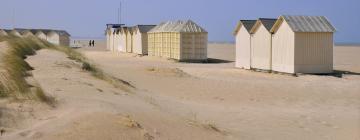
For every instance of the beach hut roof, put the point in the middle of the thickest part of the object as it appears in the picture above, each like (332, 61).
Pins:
(45, 31)
(305, 24)
(143, 28)
(114, 25)
(248, 24)
(21, 30)
(178, 26)
(267, 22)
(6, 30)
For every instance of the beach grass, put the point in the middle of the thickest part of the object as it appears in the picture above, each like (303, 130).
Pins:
(14, 69)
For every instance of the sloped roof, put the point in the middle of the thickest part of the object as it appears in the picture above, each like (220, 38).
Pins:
(125, 29)
(143, 28)
(6, 30)
(307, 23)
(45, 31)
(267, 22)
(21, 30)
(248, 24)
(178, 26)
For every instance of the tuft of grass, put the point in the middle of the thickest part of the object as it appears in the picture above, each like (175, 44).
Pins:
(87, 65)
(40, 95)
(131, 123)
(206, 125)
(14, 67)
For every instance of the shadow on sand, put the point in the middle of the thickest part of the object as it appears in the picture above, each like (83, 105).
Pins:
(208, 61)
(340, 73)
(217, 61)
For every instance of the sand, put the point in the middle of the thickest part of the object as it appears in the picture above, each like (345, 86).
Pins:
(181, 101)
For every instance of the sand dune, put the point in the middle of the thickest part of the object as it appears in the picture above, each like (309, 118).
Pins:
(181, 101)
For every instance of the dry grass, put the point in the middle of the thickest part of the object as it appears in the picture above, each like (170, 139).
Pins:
(131, 123)
(40, 95)
(14, 69)
(206, 125)
(87, 65)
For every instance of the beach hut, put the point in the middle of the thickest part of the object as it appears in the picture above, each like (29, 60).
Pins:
(261, 44)
(3, 32)
(25, 32)
(110, 39)
(140, 38)
(39, 34)
(14, 33)
(116, 40)
(122, 39)
(179, 40)
(57, 37)
(129, 39)
(110, 36)
(64, 37)
(53, 37)
(243, 43)
(303, 44)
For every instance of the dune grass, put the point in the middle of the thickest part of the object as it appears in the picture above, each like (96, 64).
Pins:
(87, 65)
(14, 69)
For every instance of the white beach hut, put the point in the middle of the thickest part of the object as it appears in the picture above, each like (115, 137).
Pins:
(39, 34)
(140, 38)
(108, 33)
(179, 40)
(261, 56)
(14, 33)
(243, 43)
(57, 37)
(116, 47)
(111, 42)
(303, 44)
(25, 32)
(53, 37)
(129, 39)
(122, 39)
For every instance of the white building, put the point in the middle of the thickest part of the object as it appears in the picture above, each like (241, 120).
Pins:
(261, 55)
(302, 44)
(140, 38)
(243, 43)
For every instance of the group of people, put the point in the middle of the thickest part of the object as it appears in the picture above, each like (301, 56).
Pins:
(92, 43)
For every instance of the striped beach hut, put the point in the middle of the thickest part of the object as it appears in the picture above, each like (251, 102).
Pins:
(261, 42)
(303, 44)
(243, 43)
(179, 40)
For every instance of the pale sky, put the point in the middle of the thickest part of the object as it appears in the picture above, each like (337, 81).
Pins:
(87, 18)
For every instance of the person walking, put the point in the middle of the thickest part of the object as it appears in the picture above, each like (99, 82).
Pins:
(93, 43)
(90, 43)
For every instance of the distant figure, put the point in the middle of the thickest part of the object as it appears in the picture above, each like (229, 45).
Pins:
(90, 43)
(93, 43)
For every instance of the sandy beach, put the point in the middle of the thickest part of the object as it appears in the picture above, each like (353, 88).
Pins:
(182, 101)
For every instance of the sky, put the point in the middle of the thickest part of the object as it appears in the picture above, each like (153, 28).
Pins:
(87, 18)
